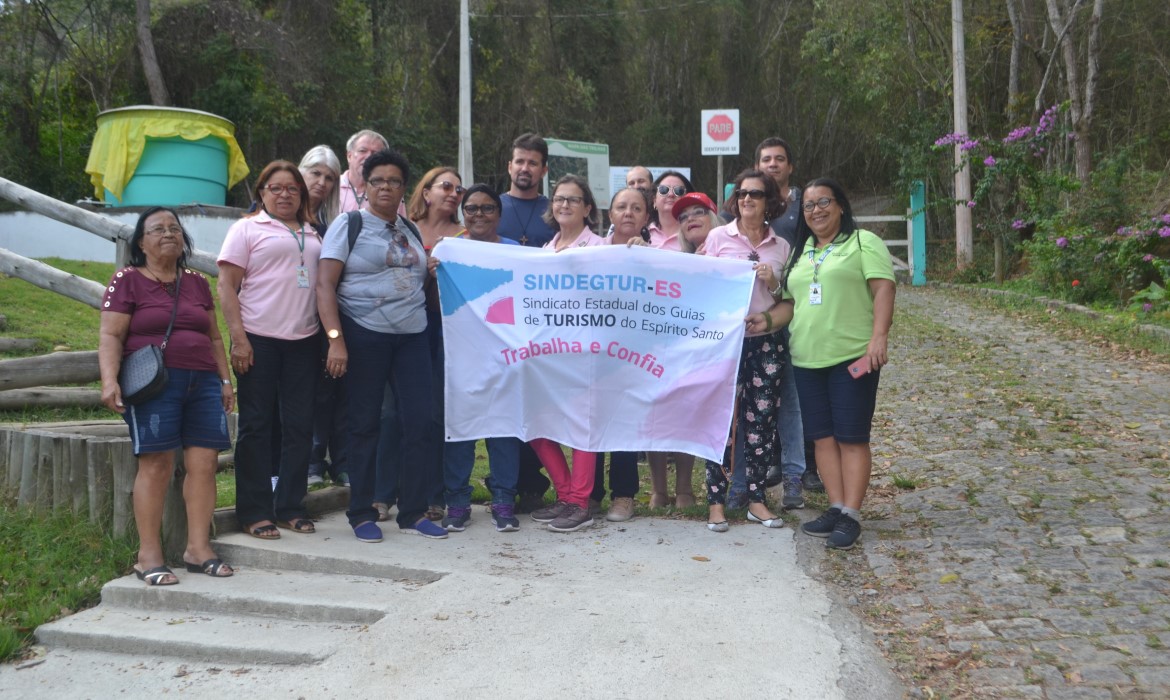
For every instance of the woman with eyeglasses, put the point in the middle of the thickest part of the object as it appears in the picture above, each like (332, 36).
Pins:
(756, 200)
(267, 280)
(839, 297)
(371, 302)
(572, 215)
(191, 411)
(664, 228)
(481, 213)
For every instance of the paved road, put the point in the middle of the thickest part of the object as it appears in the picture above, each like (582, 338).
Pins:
(1033, 558)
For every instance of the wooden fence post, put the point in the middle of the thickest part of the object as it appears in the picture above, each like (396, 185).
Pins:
(99, 466)
(125, 468)
(27, 492)
(75, 459)
(174, 524)
(11, 451)
(44, 471)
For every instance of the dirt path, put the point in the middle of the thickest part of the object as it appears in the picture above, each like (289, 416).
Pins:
(1017, 539)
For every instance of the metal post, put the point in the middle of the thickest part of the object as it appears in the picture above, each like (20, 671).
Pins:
(719, 184)
(917, 233)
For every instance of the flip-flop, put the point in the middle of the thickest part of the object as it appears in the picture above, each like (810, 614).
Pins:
(265, 532)
(211, 567)
(302, 525)
(155, 576)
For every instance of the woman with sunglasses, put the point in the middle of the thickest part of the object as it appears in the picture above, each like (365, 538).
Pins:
(664, 228)
(371, 302)
(481, 212)
(756, 200)
(267, 278)
(839, 297)
(434, 206)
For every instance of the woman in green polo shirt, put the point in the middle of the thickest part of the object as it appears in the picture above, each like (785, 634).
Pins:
(839, 297)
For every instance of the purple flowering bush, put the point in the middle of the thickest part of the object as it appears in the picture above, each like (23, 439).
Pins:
(1055, 230)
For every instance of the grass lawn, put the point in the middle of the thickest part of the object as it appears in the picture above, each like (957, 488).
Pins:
(51, 565)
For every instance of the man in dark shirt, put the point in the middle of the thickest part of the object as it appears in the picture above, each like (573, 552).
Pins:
(523, 204)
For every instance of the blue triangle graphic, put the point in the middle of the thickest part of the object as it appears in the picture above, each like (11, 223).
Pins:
(472, 282)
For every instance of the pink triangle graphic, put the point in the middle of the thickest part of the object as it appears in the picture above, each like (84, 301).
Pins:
(501, 311)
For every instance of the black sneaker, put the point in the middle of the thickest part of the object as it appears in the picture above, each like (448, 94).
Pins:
(549, 513)
(572, 518)
(793, 493)
(822, 526)
(774, 476)
(812, 482)
(845, 533)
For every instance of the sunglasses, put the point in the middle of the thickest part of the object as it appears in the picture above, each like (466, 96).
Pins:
(475, 209)
(448, 186)
(749, 194)
(692, 214)
(678, 190)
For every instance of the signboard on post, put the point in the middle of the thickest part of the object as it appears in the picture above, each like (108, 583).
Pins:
(587, 160)
(720, 135)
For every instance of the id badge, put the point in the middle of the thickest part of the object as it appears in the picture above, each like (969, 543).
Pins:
(814, 293)
(302, 277)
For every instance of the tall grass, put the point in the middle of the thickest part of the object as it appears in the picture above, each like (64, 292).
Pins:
(51, 565)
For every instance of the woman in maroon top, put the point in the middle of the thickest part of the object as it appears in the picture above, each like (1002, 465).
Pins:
(191, 412)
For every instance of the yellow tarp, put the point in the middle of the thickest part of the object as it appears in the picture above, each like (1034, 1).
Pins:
(119, 142)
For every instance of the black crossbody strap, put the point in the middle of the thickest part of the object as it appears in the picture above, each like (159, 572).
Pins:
(175, 308)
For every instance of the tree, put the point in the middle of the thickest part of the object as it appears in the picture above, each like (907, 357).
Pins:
(154, 78)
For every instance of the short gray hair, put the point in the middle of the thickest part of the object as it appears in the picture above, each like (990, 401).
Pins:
(363, 134)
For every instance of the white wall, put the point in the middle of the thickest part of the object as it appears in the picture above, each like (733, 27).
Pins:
(36, 236)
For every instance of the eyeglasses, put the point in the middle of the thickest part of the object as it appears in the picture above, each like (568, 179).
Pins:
(476, 209)
(162, 230)
(448, 187)
(387, 183)
(750, 194)
(678, 190)
(561, 200)
(823, 203)
(281, 189)
(690, 214)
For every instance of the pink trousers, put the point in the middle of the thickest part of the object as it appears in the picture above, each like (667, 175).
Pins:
(571, 486)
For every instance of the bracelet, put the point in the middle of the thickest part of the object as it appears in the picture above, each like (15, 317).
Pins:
(767, 322)
(225, 382)
(777, 292)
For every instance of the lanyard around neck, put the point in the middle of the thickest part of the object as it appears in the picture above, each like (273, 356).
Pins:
(300, 240)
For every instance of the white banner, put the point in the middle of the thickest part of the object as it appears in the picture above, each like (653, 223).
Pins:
(603, 349)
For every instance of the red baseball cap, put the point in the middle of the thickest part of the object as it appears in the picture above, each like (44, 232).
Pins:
(691, 199)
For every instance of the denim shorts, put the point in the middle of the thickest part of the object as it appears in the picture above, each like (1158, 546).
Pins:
(834, 404)
(188, 413)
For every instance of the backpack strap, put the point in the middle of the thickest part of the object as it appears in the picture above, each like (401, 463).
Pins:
(354, 219)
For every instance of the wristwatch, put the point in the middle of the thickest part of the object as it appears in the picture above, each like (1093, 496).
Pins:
(225, 382)
(333, 334)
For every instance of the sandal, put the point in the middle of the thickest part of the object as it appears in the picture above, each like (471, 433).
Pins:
(211, 567)
(264, 532)
(301, 525)
(155, 576)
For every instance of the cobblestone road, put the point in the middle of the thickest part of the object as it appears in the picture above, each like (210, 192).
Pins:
(1017, 542)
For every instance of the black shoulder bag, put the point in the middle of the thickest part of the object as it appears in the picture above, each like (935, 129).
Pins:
(143, 375)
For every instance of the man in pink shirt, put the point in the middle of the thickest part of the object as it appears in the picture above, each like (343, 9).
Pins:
(359, 147)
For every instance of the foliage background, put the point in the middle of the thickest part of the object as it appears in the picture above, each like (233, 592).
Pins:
(860, 89)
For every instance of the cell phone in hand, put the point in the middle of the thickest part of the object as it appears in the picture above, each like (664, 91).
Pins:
(860, 368)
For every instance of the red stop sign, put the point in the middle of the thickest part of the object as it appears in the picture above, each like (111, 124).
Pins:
(720, 127)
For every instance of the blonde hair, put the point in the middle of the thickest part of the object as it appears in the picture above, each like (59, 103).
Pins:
(416, 209)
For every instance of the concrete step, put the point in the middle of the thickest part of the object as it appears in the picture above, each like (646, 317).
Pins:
(303, 597)
(197, 637)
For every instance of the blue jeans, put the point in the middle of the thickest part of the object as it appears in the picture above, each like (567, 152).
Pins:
(404, 360)
(503, 461)
(188, 413)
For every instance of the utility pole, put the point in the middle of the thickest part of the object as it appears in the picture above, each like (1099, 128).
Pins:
(964, 254)
(466, 170)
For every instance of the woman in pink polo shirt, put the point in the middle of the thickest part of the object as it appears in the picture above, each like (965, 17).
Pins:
(267, 277)
(756, 201)
(572, 214)
(664, 228)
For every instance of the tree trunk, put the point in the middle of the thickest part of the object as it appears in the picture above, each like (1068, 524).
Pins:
(1014, 65)
(1062, 19)
(154, 79)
